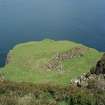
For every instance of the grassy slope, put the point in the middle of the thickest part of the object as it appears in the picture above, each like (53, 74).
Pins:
(27, 59)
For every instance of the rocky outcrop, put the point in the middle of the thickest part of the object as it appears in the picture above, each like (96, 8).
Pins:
(2, 58)
(95, 78)
(100, 66)
(8, 58)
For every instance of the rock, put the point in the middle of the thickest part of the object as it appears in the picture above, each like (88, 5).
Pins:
(87, 75)
(95, 79)
(97, 85)
(100, 66)
(8, 58)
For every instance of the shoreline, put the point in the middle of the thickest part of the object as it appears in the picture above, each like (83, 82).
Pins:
(4, 54)
(3, 57)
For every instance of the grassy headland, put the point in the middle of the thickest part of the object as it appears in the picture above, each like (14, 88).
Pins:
(26, 62)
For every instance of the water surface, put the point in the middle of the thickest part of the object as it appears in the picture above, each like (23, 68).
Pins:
(25, 20)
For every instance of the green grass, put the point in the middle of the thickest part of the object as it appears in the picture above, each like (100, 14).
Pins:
(27, 60)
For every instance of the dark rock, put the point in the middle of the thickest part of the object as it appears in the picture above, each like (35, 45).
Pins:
(95, 78)
(87, 75)
(3, 56)
(100, 66)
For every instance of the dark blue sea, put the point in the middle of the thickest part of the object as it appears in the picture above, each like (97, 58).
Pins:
(77, 20)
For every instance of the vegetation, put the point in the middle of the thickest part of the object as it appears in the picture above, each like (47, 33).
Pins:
(26, 62)
(12, 93)
(39, 73)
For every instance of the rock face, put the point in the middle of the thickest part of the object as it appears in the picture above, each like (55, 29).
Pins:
(8, 58)
(100, 66)
(2, 58)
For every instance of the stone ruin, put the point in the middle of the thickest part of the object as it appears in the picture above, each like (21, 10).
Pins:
(60, 57)
(72, 53)
(53, 63)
